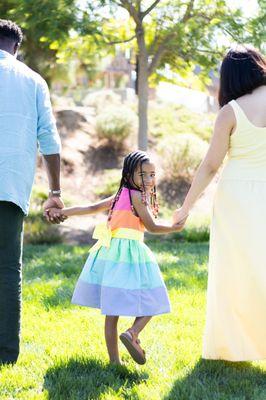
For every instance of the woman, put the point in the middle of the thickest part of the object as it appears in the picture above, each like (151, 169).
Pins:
(236, 298)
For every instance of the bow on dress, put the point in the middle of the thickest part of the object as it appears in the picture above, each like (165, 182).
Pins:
(104, 235)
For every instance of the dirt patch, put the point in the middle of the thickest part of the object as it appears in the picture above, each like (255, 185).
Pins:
(103, 156)
(69, 120)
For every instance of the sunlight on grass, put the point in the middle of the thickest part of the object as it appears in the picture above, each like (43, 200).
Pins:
(63, 353)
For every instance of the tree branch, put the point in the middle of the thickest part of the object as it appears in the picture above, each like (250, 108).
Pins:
(132, 11)
(188, 12)
(162, 47)
(149, 9)
(119, 41)
(209, 51)
(160, 51)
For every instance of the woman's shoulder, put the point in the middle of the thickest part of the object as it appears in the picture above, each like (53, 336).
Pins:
(226, 116)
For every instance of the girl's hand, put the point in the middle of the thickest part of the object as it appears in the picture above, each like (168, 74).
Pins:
(56, 214)
(180, 216)
(53, 202)
(178, 227)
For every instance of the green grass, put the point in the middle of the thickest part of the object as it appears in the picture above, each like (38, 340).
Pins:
(63, 354)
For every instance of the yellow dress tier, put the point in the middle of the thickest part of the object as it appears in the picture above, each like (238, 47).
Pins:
(236, 297)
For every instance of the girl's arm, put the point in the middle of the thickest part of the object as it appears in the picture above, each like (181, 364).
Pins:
(146, 217)
(208, 168)
(95, 208)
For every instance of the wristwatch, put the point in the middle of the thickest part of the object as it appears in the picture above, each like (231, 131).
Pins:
(55, 192)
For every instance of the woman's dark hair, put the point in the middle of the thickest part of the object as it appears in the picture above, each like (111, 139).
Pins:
(243, 70)
(131, 162)
(10, 30)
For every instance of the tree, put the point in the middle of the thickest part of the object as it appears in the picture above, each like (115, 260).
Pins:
(180, 33)
(47, 26)
(255, 28)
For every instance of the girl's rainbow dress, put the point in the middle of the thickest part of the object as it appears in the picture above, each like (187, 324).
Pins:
(121, 275)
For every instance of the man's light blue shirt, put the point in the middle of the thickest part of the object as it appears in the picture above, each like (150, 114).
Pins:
(26, 123)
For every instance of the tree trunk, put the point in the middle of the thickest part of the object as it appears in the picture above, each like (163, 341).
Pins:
(142, 90)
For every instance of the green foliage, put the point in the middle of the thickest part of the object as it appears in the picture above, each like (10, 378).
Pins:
(37, 230)
(197, 229)
(181, 155)
(168, 119)
(109, 183)
(183, 34)
(255, 28)
(46, 26)
(115, 124)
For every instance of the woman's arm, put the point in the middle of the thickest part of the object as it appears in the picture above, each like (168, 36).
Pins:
(146, 217)
(95, 208)
(218, 148)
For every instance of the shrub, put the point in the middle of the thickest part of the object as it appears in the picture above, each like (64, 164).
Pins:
(109, 183)
(37, 230)
(181, 155)
(168, 119)
(101, 100)
(197, 229)
(115, 124)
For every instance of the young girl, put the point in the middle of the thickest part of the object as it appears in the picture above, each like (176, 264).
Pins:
(121, 276)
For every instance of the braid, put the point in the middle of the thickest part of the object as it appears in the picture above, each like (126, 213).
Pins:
(115, 201)
(154, 202)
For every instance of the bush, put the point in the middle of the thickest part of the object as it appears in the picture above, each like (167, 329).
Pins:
(168, 119)
(101, 100)
(181, 155)
(37, 230)
(109, 183)
(197, 229)
(115, 124)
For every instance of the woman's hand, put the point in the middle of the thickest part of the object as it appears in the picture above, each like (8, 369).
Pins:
(179, 217)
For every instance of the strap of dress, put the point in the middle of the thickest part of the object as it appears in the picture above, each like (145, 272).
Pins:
(241, 119)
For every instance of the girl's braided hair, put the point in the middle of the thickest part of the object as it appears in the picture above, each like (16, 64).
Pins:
(131, 161)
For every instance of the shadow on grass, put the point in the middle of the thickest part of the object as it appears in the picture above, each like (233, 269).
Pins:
(81, 379)
(220, 380)
(47, 262)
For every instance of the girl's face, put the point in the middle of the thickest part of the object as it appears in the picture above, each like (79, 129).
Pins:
(145, 175)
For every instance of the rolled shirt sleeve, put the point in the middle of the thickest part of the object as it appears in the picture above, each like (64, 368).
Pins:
(47, 134)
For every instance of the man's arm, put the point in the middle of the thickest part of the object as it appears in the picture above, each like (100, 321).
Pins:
(50, 147)
(52, 166)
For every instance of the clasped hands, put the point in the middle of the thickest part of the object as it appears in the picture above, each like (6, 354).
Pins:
(179, 218)
(52, 207)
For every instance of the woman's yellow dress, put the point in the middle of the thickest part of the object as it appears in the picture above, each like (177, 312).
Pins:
(236, 297)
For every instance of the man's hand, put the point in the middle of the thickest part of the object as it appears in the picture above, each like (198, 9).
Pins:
(53, 202)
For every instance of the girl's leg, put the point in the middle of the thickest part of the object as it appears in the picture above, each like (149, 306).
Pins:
(139, 324)
(130, 339)
(111, 338)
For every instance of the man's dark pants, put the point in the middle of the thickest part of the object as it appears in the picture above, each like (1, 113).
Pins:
(11, 227)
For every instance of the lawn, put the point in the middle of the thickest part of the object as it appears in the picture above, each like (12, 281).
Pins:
(63, 352)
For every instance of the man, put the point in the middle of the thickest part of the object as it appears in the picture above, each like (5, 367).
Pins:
(26, 123)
